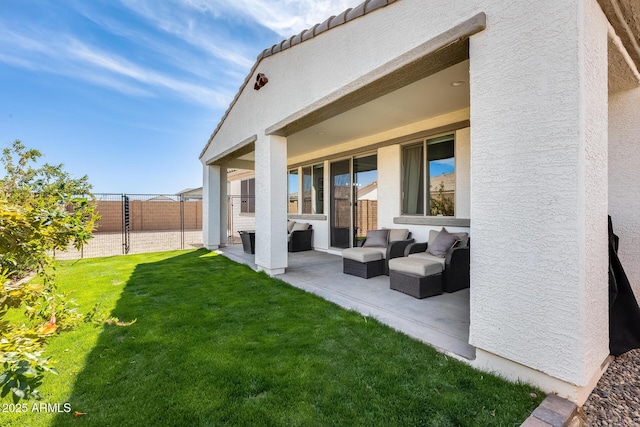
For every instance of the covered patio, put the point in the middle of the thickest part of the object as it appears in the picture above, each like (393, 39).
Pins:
(441, 321)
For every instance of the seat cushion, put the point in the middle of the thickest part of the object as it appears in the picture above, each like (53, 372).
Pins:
(416, 266)
(428, 256)
(362, 254)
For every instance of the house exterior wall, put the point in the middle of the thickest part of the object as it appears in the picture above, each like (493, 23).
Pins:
(537, 149)
(538, 152)
(624, 191)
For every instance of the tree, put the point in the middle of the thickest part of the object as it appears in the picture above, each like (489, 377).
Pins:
(42, 210)
(442, 204)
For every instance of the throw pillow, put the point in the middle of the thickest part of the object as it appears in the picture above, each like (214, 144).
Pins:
(376, 239)
(442, 243)
(398, 234)
(290, 225)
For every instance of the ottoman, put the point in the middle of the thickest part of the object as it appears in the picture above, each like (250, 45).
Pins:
(417, 277)
(363, 262)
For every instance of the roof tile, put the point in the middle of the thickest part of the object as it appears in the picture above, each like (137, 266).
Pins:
(296, 39)
(323, 27)
(339, 19)
(356, 12)
(372, 5)
(307, 34)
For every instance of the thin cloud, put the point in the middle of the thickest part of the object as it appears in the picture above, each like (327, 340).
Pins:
(67, 56)
(284, 17)
(181, 22)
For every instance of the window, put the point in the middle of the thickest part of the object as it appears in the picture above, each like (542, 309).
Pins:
(318, 188)
(429, 186)
(248, 195)
(293, 192)
(312, 191)
(306, 190)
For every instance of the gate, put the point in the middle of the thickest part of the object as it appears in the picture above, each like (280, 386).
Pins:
(141, 223)
(126, 224)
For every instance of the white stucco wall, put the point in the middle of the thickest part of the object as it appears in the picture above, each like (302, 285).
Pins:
(624, 185)
(214, 206)
(538, 288)
(538, 153)
(463, 173)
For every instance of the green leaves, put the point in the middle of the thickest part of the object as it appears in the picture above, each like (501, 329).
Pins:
(42, 210)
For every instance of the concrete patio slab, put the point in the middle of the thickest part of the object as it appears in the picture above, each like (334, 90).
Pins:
(441, 321)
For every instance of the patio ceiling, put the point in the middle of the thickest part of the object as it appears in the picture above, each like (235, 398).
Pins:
(429, 97)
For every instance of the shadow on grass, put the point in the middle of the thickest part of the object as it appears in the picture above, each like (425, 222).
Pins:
(216, 343)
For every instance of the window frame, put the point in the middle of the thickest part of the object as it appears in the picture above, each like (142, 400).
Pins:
(248, 196)
(425, 192)
(316, 193)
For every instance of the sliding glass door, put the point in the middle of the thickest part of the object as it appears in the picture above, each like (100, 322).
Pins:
(353, 199)
(340, 177)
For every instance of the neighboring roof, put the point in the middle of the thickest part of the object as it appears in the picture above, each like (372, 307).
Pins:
(330, 23)
(190, 192)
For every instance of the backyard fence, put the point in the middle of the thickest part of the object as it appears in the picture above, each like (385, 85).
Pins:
(141, 223)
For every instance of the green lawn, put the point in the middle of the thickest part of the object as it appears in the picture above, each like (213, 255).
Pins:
(216, 343)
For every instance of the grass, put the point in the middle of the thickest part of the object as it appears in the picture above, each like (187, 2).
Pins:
(216, 343)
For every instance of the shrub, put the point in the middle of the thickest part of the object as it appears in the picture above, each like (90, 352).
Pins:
(42, 210)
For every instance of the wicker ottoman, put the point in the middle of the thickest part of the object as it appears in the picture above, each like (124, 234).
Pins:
(417, 277)
(362, 262)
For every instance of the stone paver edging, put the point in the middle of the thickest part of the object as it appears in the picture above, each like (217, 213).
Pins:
(553, 411)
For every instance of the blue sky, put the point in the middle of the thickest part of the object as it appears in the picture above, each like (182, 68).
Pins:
(129, 91)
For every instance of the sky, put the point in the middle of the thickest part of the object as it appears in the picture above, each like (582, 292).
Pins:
(129, 91)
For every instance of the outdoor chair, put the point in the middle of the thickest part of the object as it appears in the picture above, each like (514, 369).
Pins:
(371, 257)
(451, 251)
(299, 236)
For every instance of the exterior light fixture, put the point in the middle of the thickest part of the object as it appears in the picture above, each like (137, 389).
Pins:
(261, 80)
(458, 83)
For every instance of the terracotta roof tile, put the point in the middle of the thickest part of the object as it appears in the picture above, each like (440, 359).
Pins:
(331, 22)
(323, 27)
(340, 19)
(372, 5)
(307, 34)
(356, 12)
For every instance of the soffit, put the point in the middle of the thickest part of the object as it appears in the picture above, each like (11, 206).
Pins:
(429, 97)
(624, 16)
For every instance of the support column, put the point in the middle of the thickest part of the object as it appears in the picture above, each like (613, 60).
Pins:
(539, 283)
(214, 206)
(271, 204)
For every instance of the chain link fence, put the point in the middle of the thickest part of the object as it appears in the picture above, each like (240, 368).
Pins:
(141, 223)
